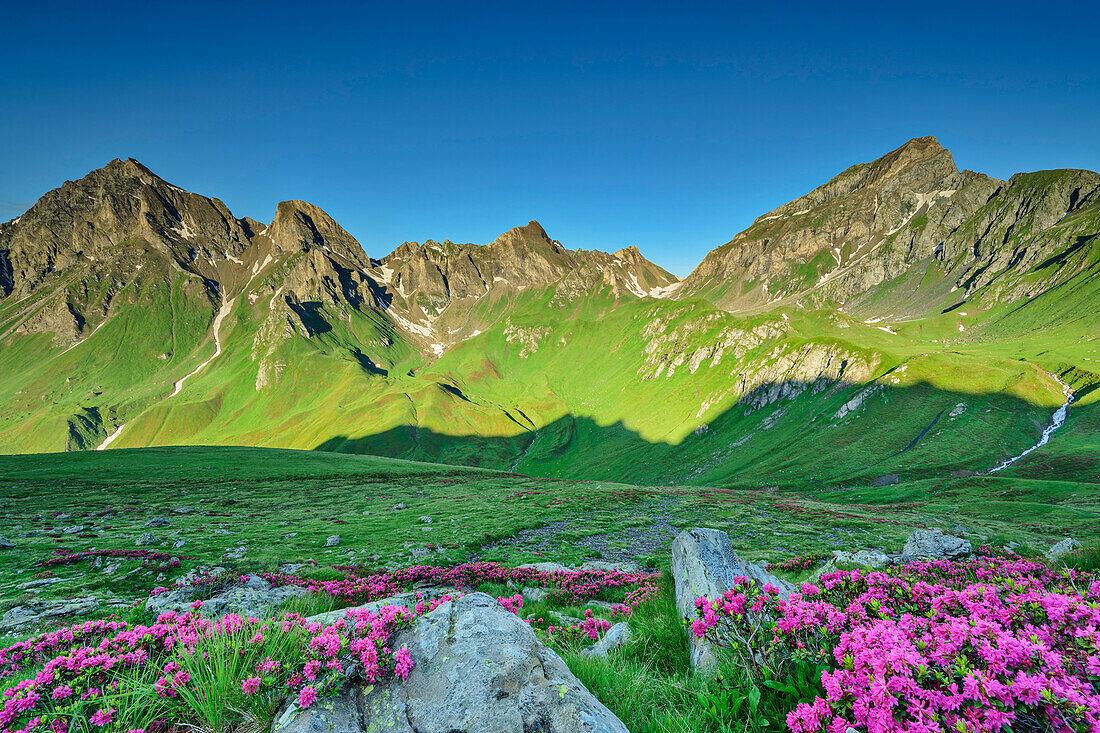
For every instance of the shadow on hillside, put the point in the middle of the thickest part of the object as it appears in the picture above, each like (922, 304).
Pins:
(789, 434)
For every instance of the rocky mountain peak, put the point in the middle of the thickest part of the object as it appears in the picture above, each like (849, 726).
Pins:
(128, 168)
(530, 237)
(298, 225)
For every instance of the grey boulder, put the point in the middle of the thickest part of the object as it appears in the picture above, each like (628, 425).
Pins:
(842, 560)
(332, 541)
(1063, 548)
(408, 599)
(477, 667)
(146, 539)
(617, 636)
(933, 544)
(5, 543)
(704, 564)
(41, 611)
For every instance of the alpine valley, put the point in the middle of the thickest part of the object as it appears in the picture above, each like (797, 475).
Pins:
(904, 321)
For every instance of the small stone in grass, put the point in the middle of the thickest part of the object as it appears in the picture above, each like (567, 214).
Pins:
(332, 541)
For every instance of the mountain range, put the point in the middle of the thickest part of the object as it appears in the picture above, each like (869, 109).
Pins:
(903, 318)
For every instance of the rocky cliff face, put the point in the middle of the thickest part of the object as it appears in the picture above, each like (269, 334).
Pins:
(911, 213)
(436, 291)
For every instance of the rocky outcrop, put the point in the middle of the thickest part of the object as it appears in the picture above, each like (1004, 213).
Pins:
(705, 564)
(255, 597)
(617, 636)
(407, 600)
(42, 611)
(933, 544)
(477, 667)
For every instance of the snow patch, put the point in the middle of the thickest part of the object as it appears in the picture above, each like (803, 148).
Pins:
(783, 216)
(667, 290)
(184, 230)
(260, 266)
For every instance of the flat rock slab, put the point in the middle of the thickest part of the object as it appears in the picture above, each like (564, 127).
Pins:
(477, 667)
(256, 597)
(40, 611)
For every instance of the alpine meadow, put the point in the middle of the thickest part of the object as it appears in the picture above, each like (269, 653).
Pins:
(843, 476)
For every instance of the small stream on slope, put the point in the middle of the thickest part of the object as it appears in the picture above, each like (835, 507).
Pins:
(525, 452)
(1056, 421)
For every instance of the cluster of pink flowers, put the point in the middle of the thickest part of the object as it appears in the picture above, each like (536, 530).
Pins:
(974, 646)
(64, 669)
(591, 627)
(149, 557)
(567, 586)
(512, 603)
(802, 562)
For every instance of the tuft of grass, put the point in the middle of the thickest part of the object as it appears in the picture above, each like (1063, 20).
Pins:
(645, 700)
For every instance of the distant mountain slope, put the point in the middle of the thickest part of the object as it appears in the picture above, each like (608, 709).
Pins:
(903, 317)
(904, 236)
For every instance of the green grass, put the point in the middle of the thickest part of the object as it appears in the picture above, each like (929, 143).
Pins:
(283, 505)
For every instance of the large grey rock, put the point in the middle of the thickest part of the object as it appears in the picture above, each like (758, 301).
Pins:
(477, 667)
(6, 544)
(158, 522)
(236, 553)
(545, 567)
(933, 544)
(616, 636)
(146, 539)
(332, 541)
(255, 597)
(41, 611)
(704, 564)
(1059, 549)
(843, 560)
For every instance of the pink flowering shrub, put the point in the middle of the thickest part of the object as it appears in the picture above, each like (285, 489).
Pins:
(187, 669)
(803, 562)
(148, 557)
(985, 645)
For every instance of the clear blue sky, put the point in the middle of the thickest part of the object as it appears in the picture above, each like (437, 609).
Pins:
(612, 124)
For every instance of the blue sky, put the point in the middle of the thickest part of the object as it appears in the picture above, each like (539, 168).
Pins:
(612, 124)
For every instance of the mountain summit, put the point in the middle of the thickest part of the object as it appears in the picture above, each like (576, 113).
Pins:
(909, 220)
